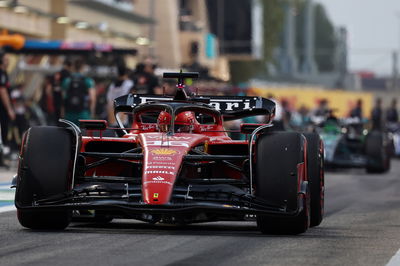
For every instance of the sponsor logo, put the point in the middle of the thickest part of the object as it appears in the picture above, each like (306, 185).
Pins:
(155, 195)
(230, 105)
(162, 158)
(158, 178)
(159, 172)
(168, 138)
(164, 151)
(147, 127)
(161, 163)
(149, 99)
(176, 143)
(226, 104)
(160, 166)
(158, 182)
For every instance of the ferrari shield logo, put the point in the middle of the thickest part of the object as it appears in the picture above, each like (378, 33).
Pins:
(163, 152)
(155, 196)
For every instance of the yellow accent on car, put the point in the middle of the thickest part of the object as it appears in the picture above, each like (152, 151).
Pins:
(163, 151)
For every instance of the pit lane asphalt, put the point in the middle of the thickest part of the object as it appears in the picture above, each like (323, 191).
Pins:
(361, 227)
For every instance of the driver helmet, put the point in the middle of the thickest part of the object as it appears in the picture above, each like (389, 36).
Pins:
(164, 121)
(186, 122)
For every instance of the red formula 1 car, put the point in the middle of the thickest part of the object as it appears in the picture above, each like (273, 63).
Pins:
(174, 164)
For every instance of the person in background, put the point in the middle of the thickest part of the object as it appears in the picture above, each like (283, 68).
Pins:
(304, 113)
(153, 82)
(169, 87)
(101, 101)
(392, 115)
(65, 71)
(376, 115)
(20, 124)
(57, 82)
(322, 109)
(356, 112)
(79, 95)
(7, 113)
(146, 82)
(331, 117)
(140, 80)
(286, 114)
(47, 101)
(122, 86)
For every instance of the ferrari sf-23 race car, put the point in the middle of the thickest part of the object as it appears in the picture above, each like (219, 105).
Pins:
(174, 163)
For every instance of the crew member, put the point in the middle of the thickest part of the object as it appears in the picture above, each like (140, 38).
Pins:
(58, 80)
(356, 112)
(7, 113)
(376, 115)
(392, 115)
(122, 86)
(79, 95)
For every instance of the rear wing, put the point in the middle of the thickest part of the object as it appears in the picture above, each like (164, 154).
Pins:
(231, 107)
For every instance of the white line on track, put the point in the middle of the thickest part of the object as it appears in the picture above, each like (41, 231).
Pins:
(395, 260)
(9, 195)
(6, 198)
(7, 208)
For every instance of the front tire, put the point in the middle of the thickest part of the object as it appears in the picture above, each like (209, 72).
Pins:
(44, 170)
(279, 156)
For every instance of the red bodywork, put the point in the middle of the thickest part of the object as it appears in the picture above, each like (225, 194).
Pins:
(162, 156)
(167, 164)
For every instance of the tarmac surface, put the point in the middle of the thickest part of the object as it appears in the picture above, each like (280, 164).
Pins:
(361, 227)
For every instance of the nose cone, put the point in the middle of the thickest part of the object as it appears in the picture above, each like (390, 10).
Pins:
(163, 155)
(161, 167)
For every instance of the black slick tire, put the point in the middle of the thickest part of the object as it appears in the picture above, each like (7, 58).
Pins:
(44, 171)
(315, 170)
(377, 154)
(278, 156)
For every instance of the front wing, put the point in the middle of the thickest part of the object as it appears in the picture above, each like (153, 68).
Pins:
(193, 199)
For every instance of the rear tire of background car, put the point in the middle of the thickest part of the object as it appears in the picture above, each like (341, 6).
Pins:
(376, 150)
(315, 170)
(278, 155)
(44, 170)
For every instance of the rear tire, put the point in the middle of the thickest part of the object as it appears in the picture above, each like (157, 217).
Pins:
(276, 181)
(315, 170)
(44, 170)
(378, 158)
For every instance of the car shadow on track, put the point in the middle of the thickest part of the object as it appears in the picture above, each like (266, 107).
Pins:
(124, 226)
(244, 229)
